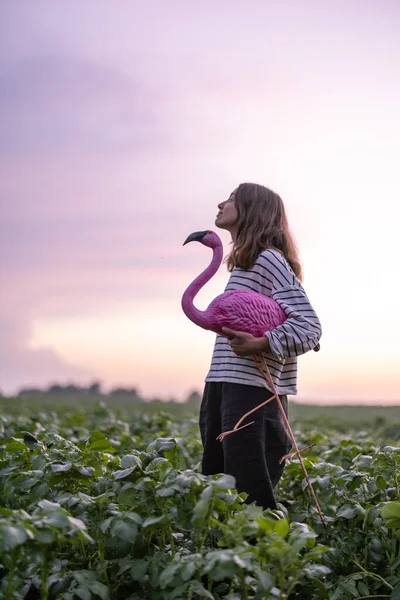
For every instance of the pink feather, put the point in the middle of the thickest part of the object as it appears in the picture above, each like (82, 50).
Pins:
(245, 310)
(240, 310)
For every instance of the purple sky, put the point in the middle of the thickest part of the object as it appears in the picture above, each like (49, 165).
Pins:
(123, 125)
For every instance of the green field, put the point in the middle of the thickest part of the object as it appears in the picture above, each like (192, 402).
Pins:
(103, 498)
(341, 415)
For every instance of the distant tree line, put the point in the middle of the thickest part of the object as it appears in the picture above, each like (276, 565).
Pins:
(94, 389)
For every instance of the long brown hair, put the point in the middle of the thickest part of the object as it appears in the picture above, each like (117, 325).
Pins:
(262, 224)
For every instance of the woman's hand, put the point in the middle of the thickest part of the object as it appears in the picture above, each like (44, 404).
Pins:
(245, 344)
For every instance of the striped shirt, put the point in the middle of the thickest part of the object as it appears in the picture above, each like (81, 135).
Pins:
(272, 276)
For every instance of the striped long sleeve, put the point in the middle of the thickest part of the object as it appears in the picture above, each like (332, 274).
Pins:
(302, 329)
(272, 276)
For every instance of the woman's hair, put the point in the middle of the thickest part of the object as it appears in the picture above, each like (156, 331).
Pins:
(261, 224)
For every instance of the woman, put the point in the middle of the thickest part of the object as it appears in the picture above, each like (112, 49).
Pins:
(264, 259)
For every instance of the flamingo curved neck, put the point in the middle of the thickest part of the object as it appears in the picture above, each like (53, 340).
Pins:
(197, 316)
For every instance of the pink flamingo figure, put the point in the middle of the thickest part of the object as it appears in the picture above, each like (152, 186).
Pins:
(240, 310)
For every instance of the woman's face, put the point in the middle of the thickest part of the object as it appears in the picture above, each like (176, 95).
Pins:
(228, 215)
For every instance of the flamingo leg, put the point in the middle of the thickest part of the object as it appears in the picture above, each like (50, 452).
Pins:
(263, 368)
(238, 425)
(293, 454)
(223, 435)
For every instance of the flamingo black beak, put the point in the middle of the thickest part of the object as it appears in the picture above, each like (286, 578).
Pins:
(196, 236)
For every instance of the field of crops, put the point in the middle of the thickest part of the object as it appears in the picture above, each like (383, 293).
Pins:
(109, 503)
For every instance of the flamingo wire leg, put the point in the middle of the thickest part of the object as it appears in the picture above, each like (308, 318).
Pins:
(237, 426)
(263, 368)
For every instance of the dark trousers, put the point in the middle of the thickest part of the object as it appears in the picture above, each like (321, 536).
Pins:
(252, 454)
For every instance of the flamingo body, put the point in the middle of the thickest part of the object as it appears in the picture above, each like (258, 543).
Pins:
(244, 310)
(240, 310)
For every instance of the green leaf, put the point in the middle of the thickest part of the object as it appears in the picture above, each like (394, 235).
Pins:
(77, 523)
(391, 449)
(221, 564)
(86, 471)
(168, 575)
(85, 577)
(282, 527)
(363, 588)
(61, 467)
(31, 441)
(391, 514)
(128, 495)
(200, 590)
(133, 517)
(149, 521)
(314, 571)
(130, 460)
(139, 569)
(104, 526)
(187, 570)
(56, 519)
(161, 444)
(225, 482)
(266, 524)
(165, 492)
(363, 462)
(381, 482)
(207, 493)
(347, 512)
(200, 511)
(324, 482)
(178, 593)
(99, 442)
(301, 537)
(14, 445)
(144, 483)
(6, 512)
(350, 587)
(124, 531)
(396, 593)
(322, 591)
(12, 536)
(99, 589)
(239, 561)
(23, 485)
(265, 580)
(48, 506)
(124, 473)
(46, 536)
(83, 592)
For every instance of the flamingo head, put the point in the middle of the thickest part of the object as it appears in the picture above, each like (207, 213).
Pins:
(207, 238)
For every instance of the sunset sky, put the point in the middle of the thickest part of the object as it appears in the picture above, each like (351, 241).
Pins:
(123, 124)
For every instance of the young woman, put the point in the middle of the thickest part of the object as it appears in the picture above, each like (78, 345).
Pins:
(264, 259)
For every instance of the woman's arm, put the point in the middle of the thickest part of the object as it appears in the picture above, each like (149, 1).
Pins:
(301, 331)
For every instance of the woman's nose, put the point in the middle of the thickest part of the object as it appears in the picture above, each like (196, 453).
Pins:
(220, 205)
